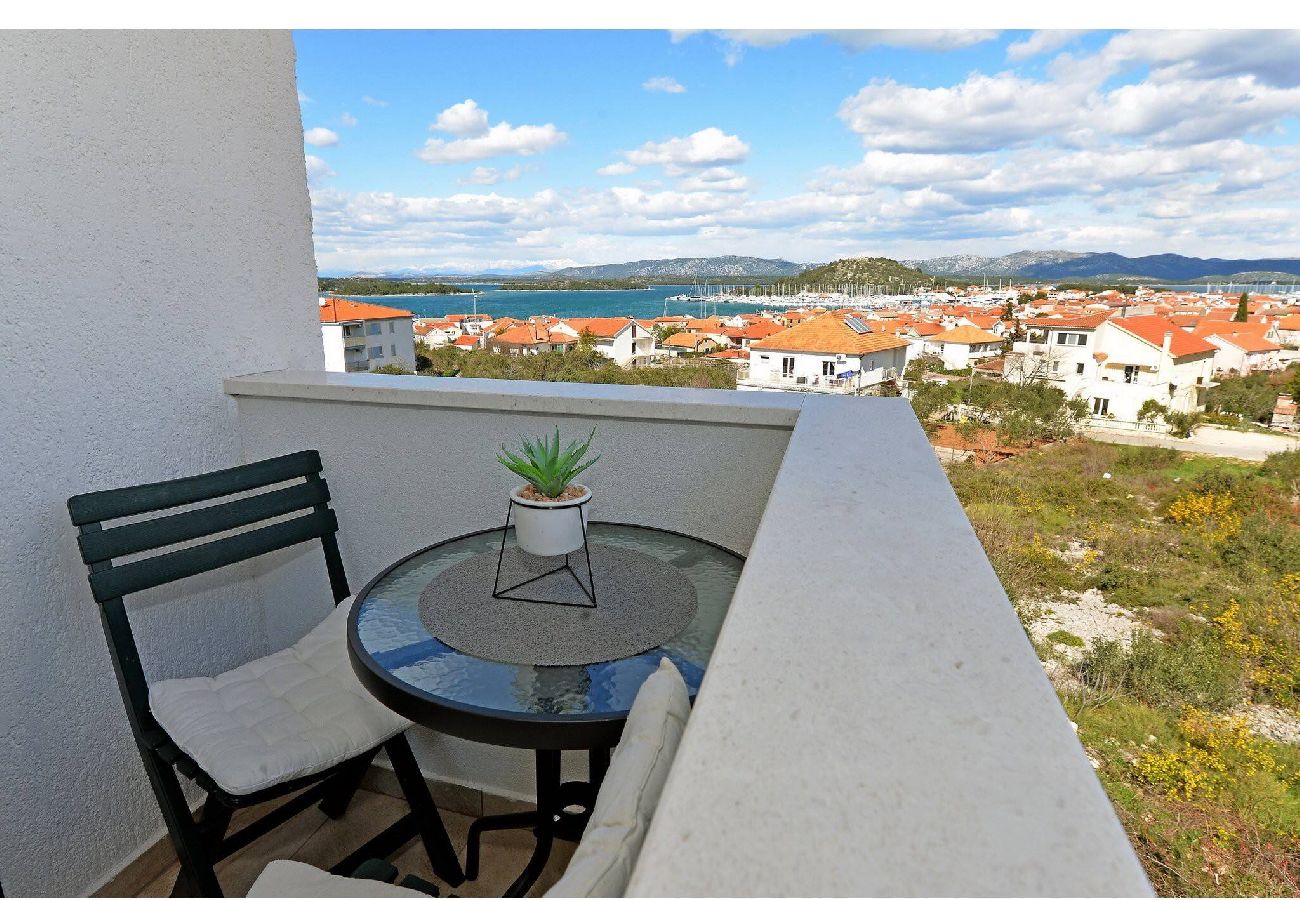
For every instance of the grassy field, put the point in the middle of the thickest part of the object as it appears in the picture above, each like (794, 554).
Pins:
(1203, 555)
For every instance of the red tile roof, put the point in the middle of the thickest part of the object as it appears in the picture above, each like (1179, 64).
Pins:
(1251, 343)
(1152, 329)
(336, 309)
(1082, 323)
(599, 327)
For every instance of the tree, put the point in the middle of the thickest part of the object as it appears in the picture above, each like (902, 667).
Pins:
(1242, 310)
(1150, 410)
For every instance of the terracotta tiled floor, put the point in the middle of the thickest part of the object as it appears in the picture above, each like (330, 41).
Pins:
(311, 837)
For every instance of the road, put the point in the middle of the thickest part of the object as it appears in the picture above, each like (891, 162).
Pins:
(1208, 440)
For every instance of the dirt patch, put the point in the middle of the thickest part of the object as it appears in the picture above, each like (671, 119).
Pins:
(983, 446)
(1087, 616)
(1272, 722)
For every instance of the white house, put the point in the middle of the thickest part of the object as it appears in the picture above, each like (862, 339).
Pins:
(963, 346)
(361, 336)
(1057, 350)
(1144, 358)
(834, 352)
(1117, 364)
(1288, 330)
(625, 341)
(1244, 353)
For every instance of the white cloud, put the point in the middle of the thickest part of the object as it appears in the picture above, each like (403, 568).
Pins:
(476, 140)
(348, 119)
(1145, 145)
(981, 113)
(717, 178)
(464, 119)
(320, 137)
(318, 169)
(373, 101)
(489, 175)
(665, 84)
(1041, 42)
(706, 147)
(303, 98)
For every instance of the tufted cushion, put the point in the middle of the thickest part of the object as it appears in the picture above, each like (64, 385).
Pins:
(293, 713)
(286, 878)
(602, 864)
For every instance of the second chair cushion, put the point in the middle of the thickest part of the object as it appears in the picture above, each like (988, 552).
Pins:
(290, 714)
(602, 864)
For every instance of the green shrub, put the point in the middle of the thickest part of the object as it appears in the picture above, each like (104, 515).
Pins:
(1061, 636)
(1182, 424)
(1197, 671)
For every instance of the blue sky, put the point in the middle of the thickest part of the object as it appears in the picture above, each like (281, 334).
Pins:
(471, 150)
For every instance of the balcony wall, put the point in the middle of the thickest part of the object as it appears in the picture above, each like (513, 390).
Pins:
(156, 237)
(873, 721)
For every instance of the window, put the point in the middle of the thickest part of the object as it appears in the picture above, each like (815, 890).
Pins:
(787, 366)
(762, 356)
(1078, 369)
(1100, 406)
(373, 328)
(391, 326)
(1130, 374)
(828, 367)
(1056, 366)
(1072, 340)
(376, 352)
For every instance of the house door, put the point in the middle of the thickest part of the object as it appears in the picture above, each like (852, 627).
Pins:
(1100, 406)
(787, 366)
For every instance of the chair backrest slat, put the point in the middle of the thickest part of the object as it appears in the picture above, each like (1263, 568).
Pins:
(130, 501)
(119, 581)
(150, 534)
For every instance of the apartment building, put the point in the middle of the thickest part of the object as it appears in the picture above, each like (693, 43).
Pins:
(358, 337)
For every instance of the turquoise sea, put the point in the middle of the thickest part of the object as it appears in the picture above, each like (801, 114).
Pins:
(644, 304)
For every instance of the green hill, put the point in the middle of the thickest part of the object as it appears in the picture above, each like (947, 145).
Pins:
(888, 274)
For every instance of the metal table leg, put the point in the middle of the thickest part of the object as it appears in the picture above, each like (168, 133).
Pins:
(548, 821)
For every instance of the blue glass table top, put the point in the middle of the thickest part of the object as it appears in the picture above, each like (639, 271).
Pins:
(414, 672)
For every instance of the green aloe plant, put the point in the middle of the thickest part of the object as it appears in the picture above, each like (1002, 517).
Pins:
(545, 466)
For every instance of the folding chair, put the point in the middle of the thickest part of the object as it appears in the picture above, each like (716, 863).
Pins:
(296, 719)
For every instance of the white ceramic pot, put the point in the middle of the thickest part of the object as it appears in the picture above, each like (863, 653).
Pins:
(550, 527)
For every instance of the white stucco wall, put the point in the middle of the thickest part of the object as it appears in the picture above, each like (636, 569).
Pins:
(156, 233)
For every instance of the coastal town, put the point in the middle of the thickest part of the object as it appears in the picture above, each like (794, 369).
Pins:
(1132, 358)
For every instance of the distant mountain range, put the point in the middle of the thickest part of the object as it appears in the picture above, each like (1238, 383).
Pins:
(1027, 265)
(686, 267)
(1063, 265)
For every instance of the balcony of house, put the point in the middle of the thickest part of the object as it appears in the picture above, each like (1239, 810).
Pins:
(869, 716)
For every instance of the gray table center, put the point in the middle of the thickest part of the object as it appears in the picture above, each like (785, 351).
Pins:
(642, 602)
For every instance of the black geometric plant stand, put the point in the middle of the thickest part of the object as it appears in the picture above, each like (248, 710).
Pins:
(508, 593)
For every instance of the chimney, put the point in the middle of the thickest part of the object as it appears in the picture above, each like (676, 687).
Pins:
(323, 301)
(1168, 342)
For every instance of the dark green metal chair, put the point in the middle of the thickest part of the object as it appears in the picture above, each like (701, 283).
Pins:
(302, 514)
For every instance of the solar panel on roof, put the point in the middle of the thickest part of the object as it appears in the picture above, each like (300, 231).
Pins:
(858, 326)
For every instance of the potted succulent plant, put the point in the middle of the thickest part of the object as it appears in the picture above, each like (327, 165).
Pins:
(550, 509)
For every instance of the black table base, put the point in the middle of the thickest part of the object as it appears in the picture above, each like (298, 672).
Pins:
(553, 818)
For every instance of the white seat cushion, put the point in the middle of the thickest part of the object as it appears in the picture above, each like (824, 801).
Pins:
(293, 713)
(286, 878)
(602, 864)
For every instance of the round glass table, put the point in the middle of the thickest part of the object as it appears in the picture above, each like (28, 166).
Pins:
(543, 708)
